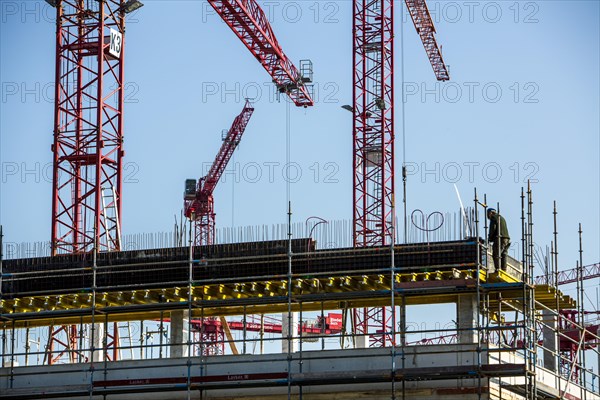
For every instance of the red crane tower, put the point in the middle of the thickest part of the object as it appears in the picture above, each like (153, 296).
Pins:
(88, 124)
(373, 128)
(198, 197)
(88, 133)
(249, 22)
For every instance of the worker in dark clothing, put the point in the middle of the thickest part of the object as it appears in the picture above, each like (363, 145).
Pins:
(499, 238)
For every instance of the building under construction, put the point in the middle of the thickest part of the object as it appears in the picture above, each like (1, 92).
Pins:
(274, 319)
(515, 337)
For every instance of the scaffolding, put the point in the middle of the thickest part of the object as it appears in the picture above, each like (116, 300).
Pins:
(512, 339)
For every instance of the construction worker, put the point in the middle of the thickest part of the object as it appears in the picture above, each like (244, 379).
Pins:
(499, 238)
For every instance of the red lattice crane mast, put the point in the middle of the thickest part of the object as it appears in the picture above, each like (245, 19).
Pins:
(88, 124)
(198, 198)
(88, 135)
(373, 110)
(373, 129)
(249, 22)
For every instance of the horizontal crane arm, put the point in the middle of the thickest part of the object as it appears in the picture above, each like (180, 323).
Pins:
(424, 25)
(248, 21)
(570, 276)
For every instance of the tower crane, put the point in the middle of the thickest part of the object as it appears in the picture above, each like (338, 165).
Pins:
(89, 97)
(198, 197)
(373, 131)
(88, 135)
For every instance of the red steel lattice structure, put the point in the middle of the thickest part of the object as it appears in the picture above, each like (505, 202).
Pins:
(373, 131)
(424, 25)
(591, 271)
(88, 134)
(209, 332)
(88, 127)
(64, 337)
(248, 21)
(373, 127)
(199, 207)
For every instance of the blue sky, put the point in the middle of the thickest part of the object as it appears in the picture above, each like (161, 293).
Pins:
(522, 102)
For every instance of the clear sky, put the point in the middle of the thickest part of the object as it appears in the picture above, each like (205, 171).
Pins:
(523, 102)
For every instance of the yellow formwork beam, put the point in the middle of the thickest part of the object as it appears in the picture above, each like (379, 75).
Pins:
(267, 296)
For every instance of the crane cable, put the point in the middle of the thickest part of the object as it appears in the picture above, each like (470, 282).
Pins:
(287, 150)
(403, 123)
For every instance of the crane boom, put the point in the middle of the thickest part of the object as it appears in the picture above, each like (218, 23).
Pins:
(249, 22)
(570, 276)
(424, 25)
(198, 197)
(234, 135)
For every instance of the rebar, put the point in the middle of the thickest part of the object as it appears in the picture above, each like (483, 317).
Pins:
(335, 234)
(583, 332)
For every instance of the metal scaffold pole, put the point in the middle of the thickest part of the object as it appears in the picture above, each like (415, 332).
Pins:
(93, 332)
(289, 300)
(478, 293)
(529, 307)
(189, 316)
(554, 277)
(581, 319)
(392, 297)
(1, 296)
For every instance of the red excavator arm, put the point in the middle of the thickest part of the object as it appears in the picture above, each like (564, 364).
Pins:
(248, 21)
(198, 197)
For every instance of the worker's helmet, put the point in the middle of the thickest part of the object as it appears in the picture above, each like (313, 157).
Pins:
(491, 210)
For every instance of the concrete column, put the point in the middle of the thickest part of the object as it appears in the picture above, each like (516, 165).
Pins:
(361, 341)
(289, 345)
(179, 333)
(466, 316)
(358, 341)
(97, 340)
(402, 326)
(549, 329)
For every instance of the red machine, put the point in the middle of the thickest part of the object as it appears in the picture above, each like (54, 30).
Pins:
(213, 331)
(328, 325)
(198, 197)
(248, 21)
(373, 130)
